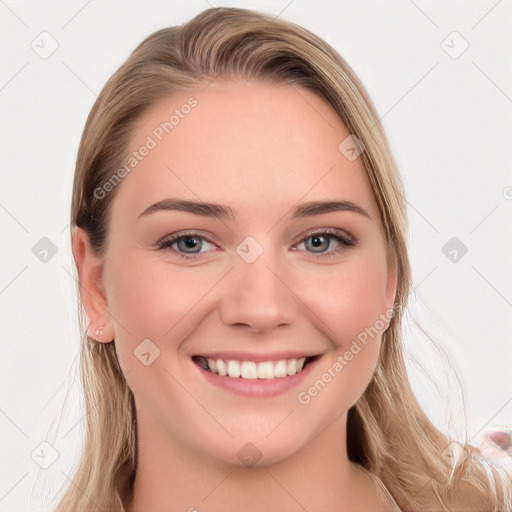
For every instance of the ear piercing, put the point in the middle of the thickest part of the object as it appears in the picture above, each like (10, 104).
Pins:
(98, 332)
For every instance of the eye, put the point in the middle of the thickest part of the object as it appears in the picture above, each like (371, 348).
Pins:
(190, 243)
(320, 241)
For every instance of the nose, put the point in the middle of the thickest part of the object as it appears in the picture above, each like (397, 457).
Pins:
(257, 295)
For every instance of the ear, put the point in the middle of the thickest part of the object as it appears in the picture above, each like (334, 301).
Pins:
(92, 291)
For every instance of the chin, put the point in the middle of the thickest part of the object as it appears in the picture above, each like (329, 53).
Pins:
(257, 453)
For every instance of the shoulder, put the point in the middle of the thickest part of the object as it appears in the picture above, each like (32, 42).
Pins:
(381, 499)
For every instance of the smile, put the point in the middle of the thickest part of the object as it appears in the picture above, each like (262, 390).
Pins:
(251, 370)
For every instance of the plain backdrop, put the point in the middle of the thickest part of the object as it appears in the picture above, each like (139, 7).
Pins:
(439, 74)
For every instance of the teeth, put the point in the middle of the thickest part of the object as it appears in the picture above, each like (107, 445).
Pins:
(234, 369)
(266, 370)
(221, 367)
(280, 369)
(248, 370)
(292, 367)
(253, 370)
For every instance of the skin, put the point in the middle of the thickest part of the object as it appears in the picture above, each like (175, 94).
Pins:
(261, 149)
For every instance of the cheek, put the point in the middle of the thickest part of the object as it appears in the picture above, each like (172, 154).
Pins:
(350, 298)
(350, 301)
(148, 300)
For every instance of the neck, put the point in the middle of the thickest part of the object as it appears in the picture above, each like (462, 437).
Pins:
(171, 477)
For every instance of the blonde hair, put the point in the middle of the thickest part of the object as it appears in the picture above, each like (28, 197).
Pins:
(387, 431)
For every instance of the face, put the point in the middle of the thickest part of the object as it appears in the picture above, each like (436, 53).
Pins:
(261, 276)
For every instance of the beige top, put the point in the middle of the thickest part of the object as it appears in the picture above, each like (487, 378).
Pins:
(385, 496)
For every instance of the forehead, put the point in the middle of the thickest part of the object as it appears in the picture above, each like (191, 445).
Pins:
(245, 144)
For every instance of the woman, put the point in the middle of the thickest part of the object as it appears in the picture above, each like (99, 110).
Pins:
(239, 229)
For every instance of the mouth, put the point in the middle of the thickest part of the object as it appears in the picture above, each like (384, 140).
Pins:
(252, 370)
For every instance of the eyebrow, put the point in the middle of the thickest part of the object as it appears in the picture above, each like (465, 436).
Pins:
(221, 211)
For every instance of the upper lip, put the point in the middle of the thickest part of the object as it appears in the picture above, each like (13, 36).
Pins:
(244, 356)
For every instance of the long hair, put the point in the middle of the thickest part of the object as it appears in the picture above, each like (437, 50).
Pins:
(387, 431)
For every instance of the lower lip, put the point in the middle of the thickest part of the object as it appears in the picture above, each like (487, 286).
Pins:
(257, 388)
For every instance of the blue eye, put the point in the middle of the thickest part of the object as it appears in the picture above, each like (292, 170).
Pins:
(188, 241)
(189, 244)
(322, 240)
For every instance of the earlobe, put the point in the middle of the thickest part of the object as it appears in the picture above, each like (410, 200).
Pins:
(92, 291)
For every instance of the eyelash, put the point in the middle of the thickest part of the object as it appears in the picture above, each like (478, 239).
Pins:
(332, 234)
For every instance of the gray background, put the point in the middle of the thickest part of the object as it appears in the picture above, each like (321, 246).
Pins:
(448, 116)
